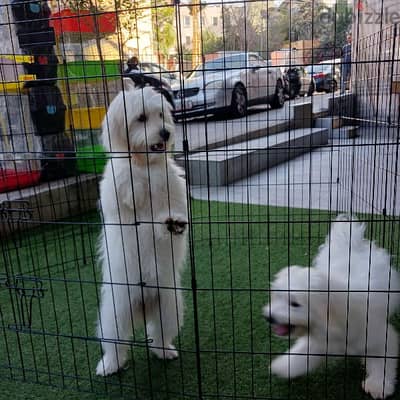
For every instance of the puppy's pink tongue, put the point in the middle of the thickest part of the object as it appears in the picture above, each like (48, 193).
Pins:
(281, 330)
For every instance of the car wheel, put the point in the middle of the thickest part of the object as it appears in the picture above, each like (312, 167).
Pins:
(311, 89)
(239, 101)
(292, 92)
(279, 97)
(332, 87)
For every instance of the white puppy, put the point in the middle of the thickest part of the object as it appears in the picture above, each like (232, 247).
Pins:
(143, 242)
(340, 306)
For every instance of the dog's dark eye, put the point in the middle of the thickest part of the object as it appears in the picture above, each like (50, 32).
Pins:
(294, 304)
(142, 118)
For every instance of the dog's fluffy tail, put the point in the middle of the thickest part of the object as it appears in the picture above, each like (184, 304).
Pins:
(346, 238)
(346, 233)
(355, 263)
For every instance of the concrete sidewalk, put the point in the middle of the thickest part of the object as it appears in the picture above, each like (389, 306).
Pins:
(359, 175)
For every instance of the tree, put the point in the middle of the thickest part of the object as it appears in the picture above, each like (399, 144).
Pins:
(195, 12)
(344, 20)
(332, 25)
(313, 19)
(239, 31)
(95, 7)
(303, 20)
(211, 42)
(164, 32)
(128, 12)
(255, 27)
(276, 31)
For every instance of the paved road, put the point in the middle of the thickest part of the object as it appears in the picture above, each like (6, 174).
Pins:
(204, 132)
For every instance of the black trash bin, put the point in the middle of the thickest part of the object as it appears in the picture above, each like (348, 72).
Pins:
(47, 109)
(58, 157)
(30, 15)
(28, 40)
(44, 66)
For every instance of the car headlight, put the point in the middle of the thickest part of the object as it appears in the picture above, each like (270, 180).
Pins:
(215, 85)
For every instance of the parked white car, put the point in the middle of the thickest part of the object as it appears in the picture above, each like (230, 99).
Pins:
(232, 81)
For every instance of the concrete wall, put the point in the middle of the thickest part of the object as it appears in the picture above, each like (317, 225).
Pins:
(376, 67)
(49, 202)
(369, 170)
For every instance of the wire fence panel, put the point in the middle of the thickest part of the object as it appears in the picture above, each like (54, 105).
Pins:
(199, 200)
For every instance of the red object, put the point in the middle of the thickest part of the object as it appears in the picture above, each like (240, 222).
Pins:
(319, 76)
(12, 180)
(67, 21)
(43, 60)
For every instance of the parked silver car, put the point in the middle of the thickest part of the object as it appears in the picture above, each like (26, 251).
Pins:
(160, 72)
(150, 74)
(232, 81)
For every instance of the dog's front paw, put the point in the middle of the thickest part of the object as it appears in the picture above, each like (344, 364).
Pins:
(109, 365)
(378, 388)
(168, 353)
(280, 366)
(291, 365)
(176, 226)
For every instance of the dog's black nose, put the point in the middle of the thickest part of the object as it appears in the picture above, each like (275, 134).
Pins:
(270, 319)
(164, 134)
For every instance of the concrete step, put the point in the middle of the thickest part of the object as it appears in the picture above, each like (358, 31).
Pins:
(225, 165)
(342, 104)
(329, 122)
(344, 132)
(50, 201)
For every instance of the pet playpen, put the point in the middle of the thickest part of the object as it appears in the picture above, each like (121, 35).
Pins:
(263, 188)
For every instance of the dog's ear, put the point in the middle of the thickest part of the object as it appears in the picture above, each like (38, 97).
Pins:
(114, 126)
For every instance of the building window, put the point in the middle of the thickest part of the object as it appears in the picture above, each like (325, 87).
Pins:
(187, 20)
(188, 40)
(215, 21)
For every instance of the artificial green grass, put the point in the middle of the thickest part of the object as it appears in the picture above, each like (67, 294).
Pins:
(225, 345)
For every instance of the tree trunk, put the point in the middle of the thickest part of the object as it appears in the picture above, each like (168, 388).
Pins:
(196, 41)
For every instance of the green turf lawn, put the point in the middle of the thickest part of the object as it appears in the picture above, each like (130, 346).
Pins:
(232, 264)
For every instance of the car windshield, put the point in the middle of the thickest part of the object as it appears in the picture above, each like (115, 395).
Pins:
(224, 63)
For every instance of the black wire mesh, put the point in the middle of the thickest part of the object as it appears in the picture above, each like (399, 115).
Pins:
(273, 143)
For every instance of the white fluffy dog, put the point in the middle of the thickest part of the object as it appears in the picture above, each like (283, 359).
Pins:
(340, 306)
(143, 242)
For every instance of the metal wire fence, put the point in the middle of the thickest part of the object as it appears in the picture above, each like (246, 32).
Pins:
(143, 230)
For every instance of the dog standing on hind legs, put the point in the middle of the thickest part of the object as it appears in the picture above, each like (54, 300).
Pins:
(143, 241)
(339, 306)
